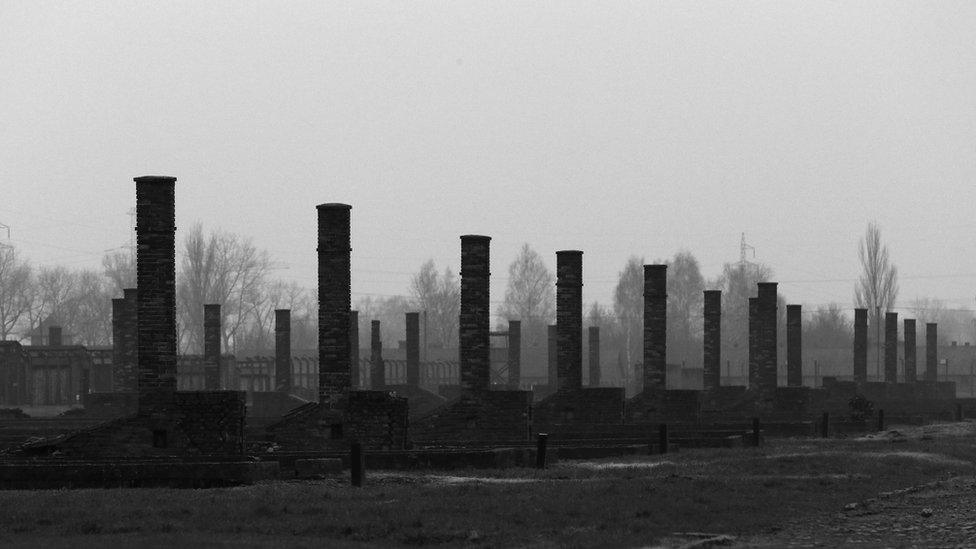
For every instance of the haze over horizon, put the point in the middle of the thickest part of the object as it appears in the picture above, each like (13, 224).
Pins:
(619, 130)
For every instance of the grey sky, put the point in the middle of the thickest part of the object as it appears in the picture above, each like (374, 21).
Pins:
(614, 128)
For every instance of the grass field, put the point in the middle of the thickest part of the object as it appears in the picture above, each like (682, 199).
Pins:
(635, 502)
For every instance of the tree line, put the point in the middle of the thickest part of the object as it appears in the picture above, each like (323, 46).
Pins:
(220, 267)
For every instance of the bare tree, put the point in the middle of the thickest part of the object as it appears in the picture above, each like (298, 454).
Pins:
(685, 286)
(877, 287)
(828, 328)
(440, 297)
(738, 283)
(119, 266)
(16, 293)
(221, 268)
(91, 307)
(530, 296)
(628, 305)
(55, 290)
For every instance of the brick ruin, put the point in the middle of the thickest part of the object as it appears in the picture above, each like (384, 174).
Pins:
(712, 340)
(572, 403)
(211, 346)
(911, 355)
(375, 419)
(479, 415)
(283, 350)
(891, 348)
(514, 354)
(860, 345)
(377, 368)
(594, 355)
(166, 423)
(794, 346)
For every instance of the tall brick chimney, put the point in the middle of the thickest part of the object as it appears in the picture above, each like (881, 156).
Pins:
(655, 327)
(767, 306)
(377, 369)
(118, 331)
(156, 279)
(891, 348)
(712, 336)
(283, 350)
(54, 336)
(334, 254)
(593, 346)
(860, 345)
(911, 355)
(755, 361)
(354, 365)
(475, 359)
(211, 346)
(514, 354)
(794, 346)
(552, 346)
(569, 319)
(413, 349)
(931, 351)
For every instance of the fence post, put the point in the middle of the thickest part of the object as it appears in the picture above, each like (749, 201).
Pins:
(357, 463)
(540, 450)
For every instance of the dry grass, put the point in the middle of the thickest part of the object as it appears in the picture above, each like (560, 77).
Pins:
(629, 502)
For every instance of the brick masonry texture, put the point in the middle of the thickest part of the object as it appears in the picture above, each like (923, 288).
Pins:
(514, 354)
(584, 405)
(376, 419)
(412, 321)
(283, 350)
(794, 346)
(655, 327)
(211, 346)
(334, 281)
(473, 334)
(156, 278)
(354, 349)
(552, 364)
(569, 320)
(860, 345)
(767, 338)
(712, 333)
(485, 418)
(891, 347)
(593, 346)
(377, 368)
(911, 354)
(754, 358)
(931, 351)
(196, 423)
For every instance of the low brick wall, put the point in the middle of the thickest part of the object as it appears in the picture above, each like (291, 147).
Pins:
(421, 401)
(586, 405)
(200, 423)
(664, 406)
(272, 404)
(58, 473)
(377, 419)
(489, 417)
(109, 405)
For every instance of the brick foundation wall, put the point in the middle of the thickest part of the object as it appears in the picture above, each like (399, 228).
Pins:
(485, 418)
(196, 423)
(376, 419)
(354, 349)
(584, 405)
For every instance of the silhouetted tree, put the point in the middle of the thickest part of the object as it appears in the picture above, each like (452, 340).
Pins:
(530, 296)
(16, 292)
(877, 287)
(440, 297)
(628, 305)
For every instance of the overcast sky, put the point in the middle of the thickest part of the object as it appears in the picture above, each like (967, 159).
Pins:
(615, 128)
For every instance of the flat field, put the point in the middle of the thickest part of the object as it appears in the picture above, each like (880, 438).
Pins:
(909, 486)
